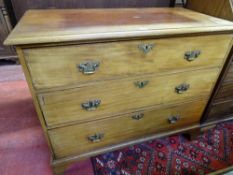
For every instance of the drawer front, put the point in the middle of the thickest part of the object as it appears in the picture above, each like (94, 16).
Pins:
(221, 111)
(229, 76)
(120, 96)
(225, 93)
(87, 137)
(74, 64)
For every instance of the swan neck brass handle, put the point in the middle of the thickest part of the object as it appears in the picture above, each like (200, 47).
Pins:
(138, 116)
(96, 138)
(182, 88)
(141, 84)
(192, 55)
(146, 48)
(88, 67)
(91, 105)
(173, 119)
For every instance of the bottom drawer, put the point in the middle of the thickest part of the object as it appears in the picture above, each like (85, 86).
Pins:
(81, 138)
(220, 111)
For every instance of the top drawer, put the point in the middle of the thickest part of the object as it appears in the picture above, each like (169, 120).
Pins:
(73, 64)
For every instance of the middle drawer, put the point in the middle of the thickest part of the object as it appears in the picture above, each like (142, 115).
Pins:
(109, 98)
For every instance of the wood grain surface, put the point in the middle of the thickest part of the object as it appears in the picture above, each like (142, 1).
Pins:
(114, 130)
(229, 75)
(58, 66)
(225, 93)
(219, 108)
(219, 8)
(220, 111)
(49, 26)
(122, 96)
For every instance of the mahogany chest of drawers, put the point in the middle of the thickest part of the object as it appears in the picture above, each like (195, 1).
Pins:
(105, 79)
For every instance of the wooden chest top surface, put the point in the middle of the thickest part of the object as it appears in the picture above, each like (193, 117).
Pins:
(51, 26)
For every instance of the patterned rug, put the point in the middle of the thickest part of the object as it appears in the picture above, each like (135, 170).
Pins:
(173, 155)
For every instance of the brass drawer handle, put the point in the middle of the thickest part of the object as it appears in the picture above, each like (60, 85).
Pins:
(146, 48)
(182, 88)
(141, 84)
(88, 67)
(96, 138)
(91, 105)
(192, 55)
(173, 119)
(138, 116)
